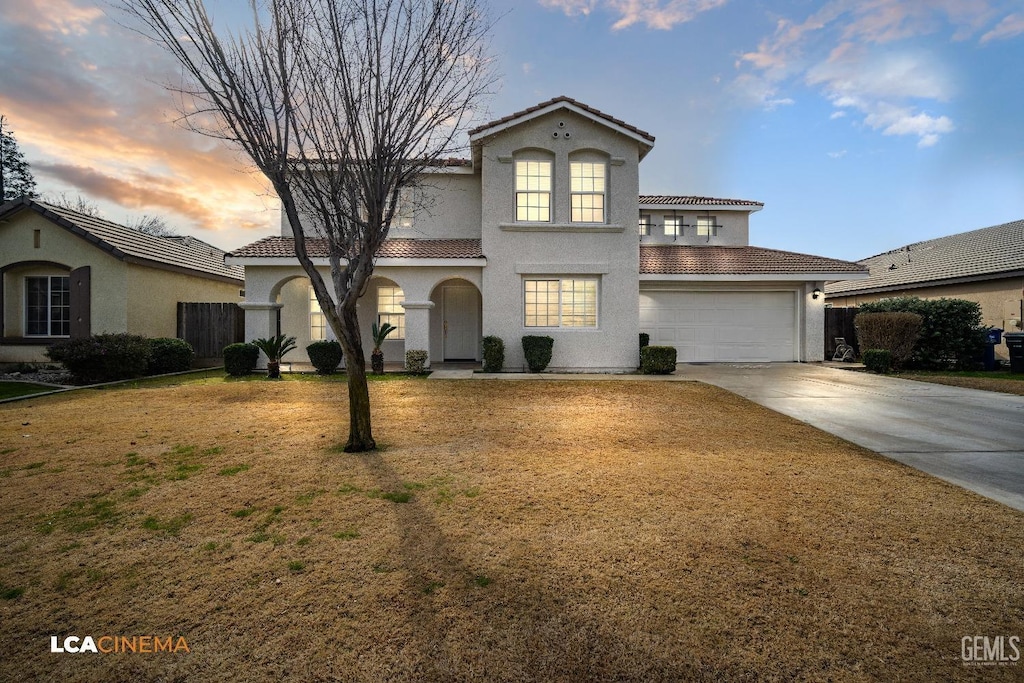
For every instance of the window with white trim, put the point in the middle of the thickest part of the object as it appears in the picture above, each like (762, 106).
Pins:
(389, 309)
(560, 302)
(48, 306)
(317, 319)
(533, 191)
(587, 180)
(404, 210)
(706, 226)
(645, 225)
(673, 226)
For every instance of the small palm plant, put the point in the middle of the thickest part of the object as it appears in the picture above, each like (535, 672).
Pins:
(380, 333)
(275, 348)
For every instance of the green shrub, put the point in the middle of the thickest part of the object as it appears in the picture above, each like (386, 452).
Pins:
(658, 360)
(169, 355)
(645, 339)
(103, 357)
(878, 361)
(494, 354)
(416, 361)
(537, 351)
(240, 359)
(951, 331)
(325, 356)
(896, 333)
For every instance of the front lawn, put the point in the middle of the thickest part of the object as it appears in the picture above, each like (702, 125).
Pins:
(1001, 381)
(15, 389)
(625, 530)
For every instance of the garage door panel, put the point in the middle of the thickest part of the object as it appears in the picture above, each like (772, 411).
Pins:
(747, 326)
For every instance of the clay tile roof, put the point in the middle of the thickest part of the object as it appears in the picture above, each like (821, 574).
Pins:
(284, 247)
(694, 260)
(978, 253)
(568, 100)
(179, 251)
(685, 200)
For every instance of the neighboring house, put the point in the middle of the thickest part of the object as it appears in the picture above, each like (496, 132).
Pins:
(67, 274)
(985, 266)
(537, 234)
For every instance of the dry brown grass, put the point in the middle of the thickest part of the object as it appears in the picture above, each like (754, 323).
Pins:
(555, 531)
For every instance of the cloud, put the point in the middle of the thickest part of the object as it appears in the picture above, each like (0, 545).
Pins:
(1009, 27)
(837, 155)
(654, 14)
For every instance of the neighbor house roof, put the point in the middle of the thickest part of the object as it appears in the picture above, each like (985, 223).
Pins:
(284, 247)
(979, 254)
(659, 200)
(672, 259)
(184, 253)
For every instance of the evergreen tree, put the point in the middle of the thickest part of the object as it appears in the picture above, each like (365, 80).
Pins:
(16, 178)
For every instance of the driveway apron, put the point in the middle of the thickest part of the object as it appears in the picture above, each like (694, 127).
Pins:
(971, 438)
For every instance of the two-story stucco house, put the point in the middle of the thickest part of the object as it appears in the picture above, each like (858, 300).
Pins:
(544, 231)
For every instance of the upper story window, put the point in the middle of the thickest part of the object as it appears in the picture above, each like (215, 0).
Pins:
(533, 191)
(588, 187)
(673, 226)
(389, 309)
(645, 225)
(706, 226)
(403, 217)
(48, 306)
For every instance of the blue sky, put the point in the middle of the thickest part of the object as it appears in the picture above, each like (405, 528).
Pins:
(862, 125)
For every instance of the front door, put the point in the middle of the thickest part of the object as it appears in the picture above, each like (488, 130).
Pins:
(461, 322)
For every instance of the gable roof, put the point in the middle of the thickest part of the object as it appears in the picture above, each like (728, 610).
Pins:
(979, 254)
(645, 139)
(180, 253)
(662, 201)
(284, 247)
(678, 259)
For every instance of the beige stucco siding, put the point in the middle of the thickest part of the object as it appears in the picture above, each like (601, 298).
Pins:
(153, 296)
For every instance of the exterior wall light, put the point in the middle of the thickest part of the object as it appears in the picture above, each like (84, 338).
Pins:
(816, 293)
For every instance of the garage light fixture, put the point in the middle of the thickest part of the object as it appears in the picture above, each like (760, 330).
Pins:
(816, 293)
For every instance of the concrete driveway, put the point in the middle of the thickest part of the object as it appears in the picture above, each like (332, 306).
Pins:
(971, 438)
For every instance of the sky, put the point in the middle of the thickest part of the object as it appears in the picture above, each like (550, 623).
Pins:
(862, 125)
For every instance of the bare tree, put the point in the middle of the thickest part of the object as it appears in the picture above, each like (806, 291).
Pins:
(151, 225)
(76, 203)
(340, 104)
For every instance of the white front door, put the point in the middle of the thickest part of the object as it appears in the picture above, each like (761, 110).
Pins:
(461, 322)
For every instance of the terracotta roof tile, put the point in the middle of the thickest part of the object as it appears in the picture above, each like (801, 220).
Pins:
(284, 247)
(568, 100)
(686, 200)
(695, 260)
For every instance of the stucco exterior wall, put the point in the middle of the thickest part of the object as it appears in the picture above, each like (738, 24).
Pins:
(153, 297)
(607, 252)
(734, 230)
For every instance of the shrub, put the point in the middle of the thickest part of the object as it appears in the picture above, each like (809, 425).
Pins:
(645, 339)
(103, 357)
(169, 355)
(951, 331)
(893, 332)
(537, 351)
(494, 354)
(325, 356)
(416, 361)
(658, 360)
(240, 359)
(878, 361)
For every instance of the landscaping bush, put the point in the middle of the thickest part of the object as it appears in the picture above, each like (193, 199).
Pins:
(416, 361)
(537, 351)
(167, 354)
(951, 331)
(325, 356)
(645, 339)
(896, 333)
(658, 360)
(240, 359)
(878, 361)
(102, 357)
(494, 354)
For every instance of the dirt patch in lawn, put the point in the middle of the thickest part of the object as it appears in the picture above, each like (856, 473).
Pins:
(507, 531)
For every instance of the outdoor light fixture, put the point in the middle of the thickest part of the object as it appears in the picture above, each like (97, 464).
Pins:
(816, 293)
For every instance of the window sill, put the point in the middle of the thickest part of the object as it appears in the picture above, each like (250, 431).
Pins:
(560, 227)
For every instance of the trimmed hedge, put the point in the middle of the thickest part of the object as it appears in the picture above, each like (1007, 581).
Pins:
(896, 333)
(325, 356)
(645, 339)
(169, 355)
(240, 359)
(951, 331)
(658, 360)
(537, 351)
(878, 361)
(494, 354)
(416, 361)
(102, 357)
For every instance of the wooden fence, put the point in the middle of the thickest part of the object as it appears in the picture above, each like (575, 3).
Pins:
(839, 323)
(210, 327)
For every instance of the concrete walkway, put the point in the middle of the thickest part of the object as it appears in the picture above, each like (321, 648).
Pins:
(968, 437)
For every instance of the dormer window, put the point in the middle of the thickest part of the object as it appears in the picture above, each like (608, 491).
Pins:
(533, 191)
(588, 188)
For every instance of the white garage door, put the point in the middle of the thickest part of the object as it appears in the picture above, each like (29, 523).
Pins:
(707, 326)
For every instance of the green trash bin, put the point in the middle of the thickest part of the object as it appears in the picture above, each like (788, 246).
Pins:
(1015, 345)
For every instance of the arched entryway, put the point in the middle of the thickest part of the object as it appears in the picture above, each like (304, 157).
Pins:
(456, 320)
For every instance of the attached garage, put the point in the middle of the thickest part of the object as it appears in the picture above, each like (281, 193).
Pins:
(723, 326)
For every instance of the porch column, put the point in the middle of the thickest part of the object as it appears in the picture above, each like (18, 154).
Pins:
(417, 326)
(261, 321)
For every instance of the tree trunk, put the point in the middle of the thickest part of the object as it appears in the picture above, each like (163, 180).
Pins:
(360, 436)
(377, 362)
(273, 369)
